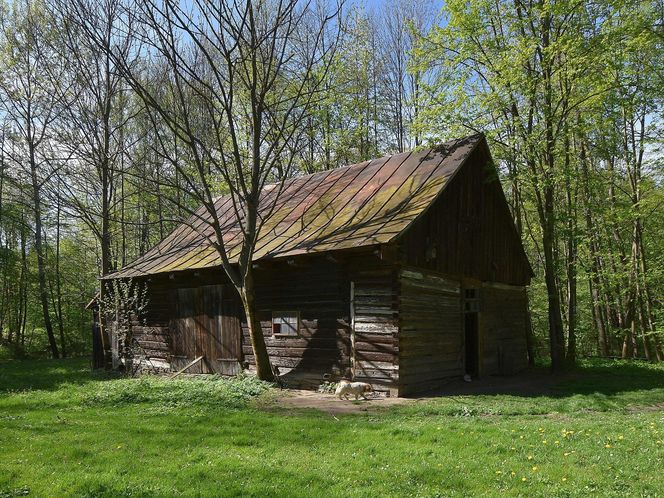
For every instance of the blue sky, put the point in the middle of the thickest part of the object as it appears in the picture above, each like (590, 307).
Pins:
(378, 3)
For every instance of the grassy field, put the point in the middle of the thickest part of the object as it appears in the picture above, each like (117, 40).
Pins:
(67, 432)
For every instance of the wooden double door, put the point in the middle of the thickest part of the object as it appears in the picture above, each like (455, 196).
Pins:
(206, 322)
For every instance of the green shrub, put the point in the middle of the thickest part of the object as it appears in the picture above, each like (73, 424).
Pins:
(163, 393)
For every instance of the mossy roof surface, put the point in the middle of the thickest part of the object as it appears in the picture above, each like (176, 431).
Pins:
(364, 204)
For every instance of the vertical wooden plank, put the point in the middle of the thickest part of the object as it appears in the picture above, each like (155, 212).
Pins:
(232, 330)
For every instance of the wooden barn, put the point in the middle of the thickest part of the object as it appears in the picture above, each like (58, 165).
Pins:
(402, 271)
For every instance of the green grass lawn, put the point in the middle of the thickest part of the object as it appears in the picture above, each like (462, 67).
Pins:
(67, 432)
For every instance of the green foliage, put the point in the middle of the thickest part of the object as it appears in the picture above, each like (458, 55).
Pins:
(569, 95)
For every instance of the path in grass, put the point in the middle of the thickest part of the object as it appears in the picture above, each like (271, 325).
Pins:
(64, 432)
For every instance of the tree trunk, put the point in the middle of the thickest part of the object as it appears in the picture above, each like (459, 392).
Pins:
(247, 294)
(530, 342)
(572, 199)
(41, 259)
(556, 334)
(58, 286)
(594, 284)
(39, 244)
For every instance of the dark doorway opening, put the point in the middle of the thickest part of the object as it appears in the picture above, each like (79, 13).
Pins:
(472, 344)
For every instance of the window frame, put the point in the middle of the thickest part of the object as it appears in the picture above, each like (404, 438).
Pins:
(285, 314)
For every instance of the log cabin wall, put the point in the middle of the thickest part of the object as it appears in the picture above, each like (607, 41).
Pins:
(189, 314)
(375, 324)
(326, 347)
(431, 340)
(183, 307)
(467, 236)
(314, 291)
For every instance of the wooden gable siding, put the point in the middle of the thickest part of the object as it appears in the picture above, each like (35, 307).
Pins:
(468, 232)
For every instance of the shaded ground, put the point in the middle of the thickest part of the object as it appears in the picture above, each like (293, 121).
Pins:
(599, 381)
(534, 383)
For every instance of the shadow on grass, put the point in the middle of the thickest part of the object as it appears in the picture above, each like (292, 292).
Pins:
(21, 375)
(590, 376)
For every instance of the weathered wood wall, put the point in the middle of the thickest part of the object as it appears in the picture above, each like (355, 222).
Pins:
(319, 289)
(206, 323)
(503, 321)
(189, 315)
(153, 348)
(431, 340)
(187, 309)
(376, 327)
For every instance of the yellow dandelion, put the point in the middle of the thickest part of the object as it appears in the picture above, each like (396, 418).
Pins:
(544, 442)
(523, 479)
(621, 438)
(566, 454)
(513, 473)
(530, 457)
(556, 442)
(607, 445)
(535, 468)
(564, 479)
(498, 472)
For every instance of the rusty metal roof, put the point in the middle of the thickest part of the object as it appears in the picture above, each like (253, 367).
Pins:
(360, 205)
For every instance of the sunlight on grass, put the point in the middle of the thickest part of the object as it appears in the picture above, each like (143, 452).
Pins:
(102, 436)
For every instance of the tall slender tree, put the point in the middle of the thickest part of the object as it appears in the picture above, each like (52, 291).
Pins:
(32, 106)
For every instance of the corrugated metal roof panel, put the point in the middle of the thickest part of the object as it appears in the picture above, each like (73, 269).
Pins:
(360, 205)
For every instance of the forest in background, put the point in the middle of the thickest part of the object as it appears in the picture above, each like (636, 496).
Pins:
(568, 93)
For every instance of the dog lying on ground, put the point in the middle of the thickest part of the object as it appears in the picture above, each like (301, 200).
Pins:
(346, 387)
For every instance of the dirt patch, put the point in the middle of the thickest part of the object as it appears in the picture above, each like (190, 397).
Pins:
(329, 403)
(528, 384)
(658, 407)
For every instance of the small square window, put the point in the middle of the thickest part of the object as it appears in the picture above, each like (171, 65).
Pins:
(285, 323)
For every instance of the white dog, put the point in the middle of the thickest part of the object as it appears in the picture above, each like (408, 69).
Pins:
(346, 387)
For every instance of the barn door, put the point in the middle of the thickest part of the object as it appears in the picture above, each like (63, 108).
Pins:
(203, 327)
